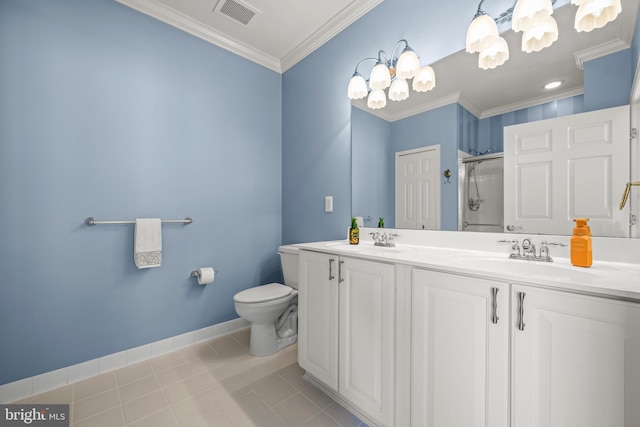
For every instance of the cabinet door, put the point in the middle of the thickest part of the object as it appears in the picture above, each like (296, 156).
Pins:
(318, 316)
(459, 351)
(367, 302)
(576, 360)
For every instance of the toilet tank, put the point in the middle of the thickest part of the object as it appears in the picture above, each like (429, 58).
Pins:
(289, 262)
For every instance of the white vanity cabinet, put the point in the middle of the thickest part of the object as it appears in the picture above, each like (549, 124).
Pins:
(459, 351)
(575, 360)
(346, 330)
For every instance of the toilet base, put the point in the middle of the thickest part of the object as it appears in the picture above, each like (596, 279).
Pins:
(264, 340)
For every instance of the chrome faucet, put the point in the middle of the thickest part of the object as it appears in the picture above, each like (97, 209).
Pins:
(384, 239)
(528, 251)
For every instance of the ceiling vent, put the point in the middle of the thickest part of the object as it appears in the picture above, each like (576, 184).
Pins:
(239, 12)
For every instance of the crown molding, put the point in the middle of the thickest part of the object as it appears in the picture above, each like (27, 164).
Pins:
(531, 102)
(178, 20)
(170, 16)
(348, 16)
(599, 51)
(389, 116)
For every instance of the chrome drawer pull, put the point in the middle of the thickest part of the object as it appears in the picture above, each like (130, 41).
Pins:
(521, 324)
(331, 276)
(494, 306)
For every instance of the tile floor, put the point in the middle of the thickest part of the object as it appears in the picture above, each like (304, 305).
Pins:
(215, 383)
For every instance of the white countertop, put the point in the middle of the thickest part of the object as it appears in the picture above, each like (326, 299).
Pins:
(605, 278)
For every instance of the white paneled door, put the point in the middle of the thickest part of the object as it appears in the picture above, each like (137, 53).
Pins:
(568, 167)
(418, 188)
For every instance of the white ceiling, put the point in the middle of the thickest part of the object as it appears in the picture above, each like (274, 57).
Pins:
(281, 33)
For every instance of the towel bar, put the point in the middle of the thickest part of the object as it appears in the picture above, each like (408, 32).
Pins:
(92, 221)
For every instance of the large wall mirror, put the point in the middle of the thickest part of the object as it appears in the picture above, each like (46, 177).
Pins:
(468, 110)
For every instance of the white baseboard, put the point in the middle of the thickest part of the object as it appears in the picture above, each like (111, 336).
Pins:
(31, 386)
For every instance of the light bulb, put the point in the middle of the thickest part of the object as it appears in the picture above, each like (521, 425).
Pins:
(494, 56)
(399, 90)
(380, 77)
(408, 64)
(530, 13)
(425, 80)
(541, 36)
(377, 99)
(357, 87)
(482, 33)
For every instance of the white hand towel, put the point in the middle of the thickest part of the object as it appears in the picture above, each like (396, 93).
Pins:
(147, 250)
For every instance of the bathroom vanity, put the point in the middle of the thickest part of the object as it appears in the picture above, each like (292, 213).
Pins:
(445, 330)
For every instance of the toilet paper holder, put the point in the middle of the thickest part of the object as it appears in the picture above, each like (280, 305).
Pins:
(196, 273)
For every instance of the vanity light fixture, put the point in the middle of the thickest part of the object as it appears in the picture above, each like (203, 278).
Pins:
(392, 73)
(539, 29)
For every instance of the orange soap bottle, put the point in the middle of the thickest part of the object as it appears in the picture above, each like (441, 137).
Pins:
(581, 244)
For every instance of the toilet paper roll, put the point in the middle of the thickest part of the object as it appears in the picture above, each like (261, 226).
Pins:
(206, 275)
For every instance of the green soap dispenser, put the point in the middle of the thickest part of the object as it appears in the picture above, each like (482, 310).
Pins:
(381, 223)
(354, 232)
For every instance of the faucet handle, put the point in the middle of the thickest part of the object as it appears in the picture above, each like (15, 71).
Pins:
(562, 245)
(515, 247)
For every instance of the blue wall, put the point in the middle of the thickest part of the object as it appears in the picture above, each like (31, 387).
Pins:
(372, 169)
(317, 113)
(106, 112)
(608, 80)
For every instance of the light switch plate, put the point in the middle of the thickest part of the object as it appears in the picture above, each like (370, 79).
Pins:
(328, 203)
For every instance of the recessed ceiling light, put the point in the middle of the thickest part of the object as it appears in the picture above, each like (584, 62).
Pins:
(553, 85)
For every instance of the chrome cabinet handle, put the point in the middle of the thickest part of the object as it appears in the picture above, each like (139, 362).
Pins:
(340, 278)
(331, 276)
(494, 306)
(521, 324)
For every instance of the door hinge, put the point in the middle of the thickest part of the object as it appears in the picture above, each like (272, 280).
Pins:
(633, 219)
(634, 133)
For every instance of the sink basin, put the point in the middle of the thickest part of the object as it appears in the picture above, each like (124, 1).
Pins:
(548, 270)
(363, 247)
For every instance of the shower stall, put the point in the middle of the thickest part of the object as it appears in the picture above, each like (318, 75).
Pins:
(481, 192)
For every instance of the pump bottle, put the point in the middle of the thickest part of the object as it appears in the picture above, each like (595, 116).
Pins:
(354, 232)
(581, 254)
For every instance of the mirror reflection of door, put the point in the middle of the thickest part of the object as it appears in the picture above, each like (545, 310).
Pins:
(568, 167)
(418, 188)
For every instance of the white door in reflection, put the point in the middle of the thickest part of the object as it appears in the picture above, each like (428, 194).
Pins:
(568, 167)
(418, 189)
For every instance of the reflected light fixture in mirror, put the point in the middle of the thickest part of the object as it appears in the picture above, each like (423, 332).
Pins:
(391, 73)
(553, 85)
(539, 29)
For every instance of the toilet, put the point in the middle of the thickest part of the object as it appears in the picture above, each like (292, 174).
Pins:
(272, 309)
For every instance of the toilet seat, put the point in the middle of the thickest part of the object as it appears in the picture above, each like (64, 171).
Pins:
(263, 293)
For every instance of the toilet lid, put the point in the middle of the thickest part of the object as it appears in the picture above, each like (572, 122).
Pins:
(263, 293)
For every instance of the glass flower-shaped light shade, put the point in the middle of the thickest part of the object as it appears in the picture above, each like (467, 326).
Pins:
(494, 56)
(537, 38)
(357, 87)
(528, 14)
(425, 80)
(377, 99)
(380, 77)
(399, 90)
(408, 64)
(594, 14)
(482, 33)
